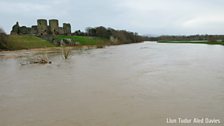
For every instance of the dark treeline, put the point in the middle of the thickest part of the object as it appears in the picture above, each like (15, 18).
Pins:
(209, 38)
(3, 39)
(123, 36)
(115, 36)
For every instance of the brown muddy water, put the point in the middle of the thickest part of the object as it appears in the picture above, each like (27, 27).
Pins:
(128, 85)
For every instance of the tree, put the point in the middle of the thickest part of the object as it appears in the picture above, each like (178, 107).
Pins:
(3, 39)
(121, 36)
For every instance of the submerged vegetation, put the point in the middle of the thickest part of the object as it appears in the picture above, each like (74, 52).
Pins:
(43, 59)
(66, 52)
(100, 44)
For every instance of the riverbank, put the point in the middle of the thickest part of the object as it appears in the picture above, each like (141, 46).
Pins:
(84, 40)
(192, 42)
(20, 42)
(11, 54)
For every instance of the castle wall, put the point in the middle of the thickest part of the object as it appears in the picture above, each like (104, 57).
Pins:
(34, 29)
(61, 31)
(24, 30)
(42, 28)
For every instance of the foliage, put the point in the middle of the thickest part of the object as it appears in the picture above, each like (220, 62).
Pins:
(123, 36)
(208, 38)
(192, 42)
(3, 39)
(79, 33)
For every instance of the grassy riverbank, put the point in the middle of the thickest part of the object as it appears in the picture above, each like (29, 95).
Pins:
(84, 40)
(192, 42)
(17, 42)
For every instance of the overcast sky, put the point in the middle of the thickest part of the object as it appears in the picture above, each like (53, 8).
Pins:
(156, 17)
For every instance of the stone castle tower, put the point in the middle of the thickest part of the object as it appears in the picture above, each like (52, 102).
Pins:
(42, 28)
(53, 24)
(67, 28)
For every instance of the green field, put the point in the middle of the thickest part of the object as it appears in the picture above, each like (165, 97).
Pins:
(84, 40)
(16, 42)
(192, 42)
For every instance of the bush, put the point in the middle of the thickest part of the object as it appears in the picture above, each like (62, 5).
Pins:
(66, 52)
(3, 39)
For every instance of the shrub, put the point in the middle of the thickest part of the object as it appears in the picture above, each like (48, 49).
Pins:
(66, 52)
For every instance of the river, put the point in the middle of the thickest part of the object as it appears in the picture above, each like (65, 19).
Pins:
(127, 85)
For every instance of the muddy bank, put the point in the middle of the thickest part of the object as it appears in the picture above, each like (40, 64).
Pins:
(38, 51)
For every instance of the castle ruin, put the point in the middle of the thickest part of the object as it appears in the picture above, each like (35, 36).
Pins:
(42, 28)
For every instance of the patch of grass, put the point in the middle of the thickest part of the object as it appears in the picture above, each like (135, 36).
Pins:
(16, 42)
(192, 42)
(84, 40)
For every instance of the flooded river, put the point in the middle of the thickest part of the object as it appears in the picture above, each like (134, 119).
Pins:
(127, 85)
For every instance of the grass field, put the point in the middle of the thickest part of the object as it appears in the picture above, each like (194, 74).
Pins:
(16, 42)
(193, 42)
(84, 40)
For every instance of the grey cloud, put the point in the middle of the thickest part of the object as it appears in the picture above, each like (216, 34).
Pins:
(143, 16)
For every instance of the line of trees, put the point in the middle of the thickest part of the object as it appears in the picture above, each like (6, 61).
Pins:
(125, 37)
(116, 36)
(209, 38)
